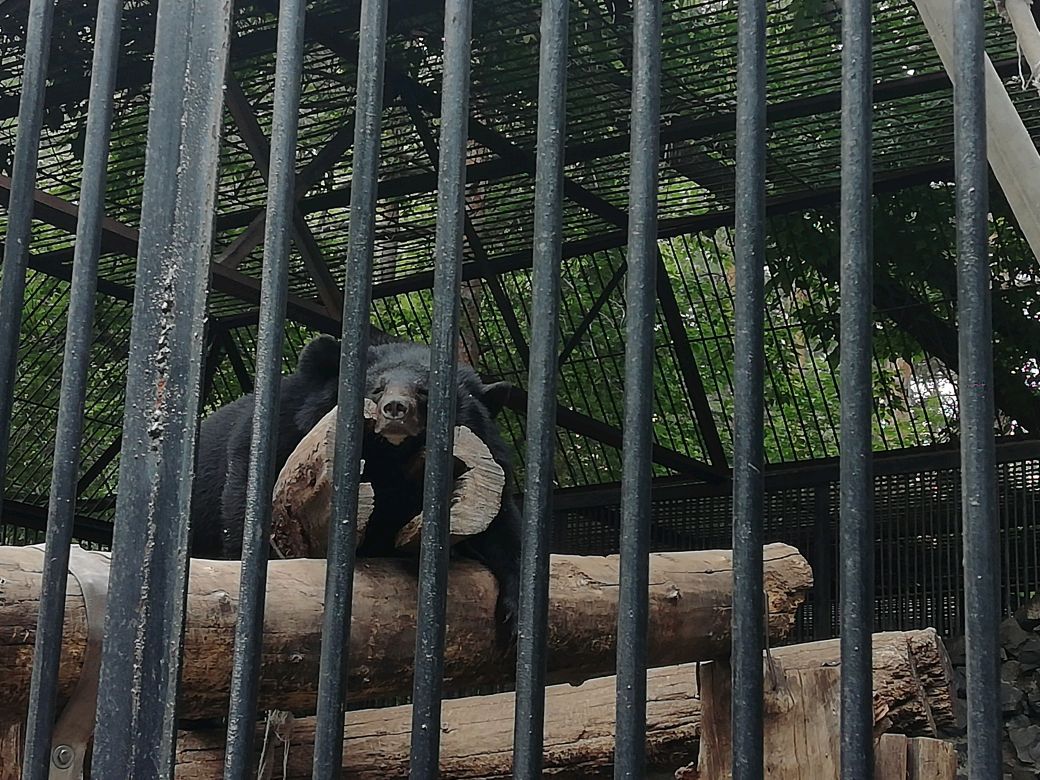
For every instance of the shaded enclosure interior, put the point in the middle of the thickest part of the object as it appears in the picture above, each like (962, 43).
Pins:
(919, 574)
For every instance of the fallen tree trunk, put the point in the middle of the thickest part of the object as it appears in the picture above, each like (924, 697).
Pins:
(477, 739)
(690, 602)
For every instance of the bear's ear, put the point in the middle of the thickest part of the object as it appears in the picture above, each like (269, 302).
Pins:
(495, 395)
(320, 358)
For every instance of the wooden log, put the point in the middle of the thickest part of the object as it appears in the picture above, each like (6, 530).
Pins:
(478, 737)
(914, 758)
(476, 497)
(801, 725)
(303, 492)
(690, 602)
(912, 677)
(302, 503)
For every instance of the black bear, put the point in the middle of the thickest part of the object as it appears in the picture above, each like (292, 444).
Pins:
(397, 381)
(218, 504)
(397, 377)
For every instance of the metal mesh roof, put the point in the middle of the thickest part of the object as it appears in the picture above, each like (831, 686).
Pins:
(913, 146)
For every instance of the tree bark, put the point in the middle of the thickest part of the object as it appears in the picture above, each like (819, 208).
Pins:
(690, 603)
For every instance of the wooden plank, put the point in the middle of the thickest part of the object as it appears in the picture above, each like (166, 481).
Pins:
(1012, 154)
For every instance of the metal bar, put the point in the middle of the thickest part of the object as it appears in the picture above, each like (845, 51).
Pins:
(593, 312)
(856, 526)
(640, 315)
(99, 465)
(440, 425)
(123, 239)
(79, 336)
(668, 228)
(260, 150)
(238, 365)
(20, 208)
(748, 372)
(281, 208)
(688, 368)
(136, 711)
(823, 562)
(339, 581)
(975, 380)
(529, 717)
(239, 249)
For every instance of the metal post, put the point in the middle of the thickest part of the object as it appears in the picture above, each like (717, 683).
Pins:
(636, 468)
(339, 579)
(975, 357)
(748, 370)
(433, 559)
(541, 401)
(281, 204)
(144, 620)
(79, 336)
(856, 513)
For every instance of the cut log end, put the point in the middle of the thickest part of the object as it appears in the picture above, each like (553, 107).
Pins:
(302, 503)
(476, 497)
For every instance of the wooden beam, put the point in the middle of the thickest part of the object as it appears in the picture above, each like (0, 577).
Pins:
(1012, 154)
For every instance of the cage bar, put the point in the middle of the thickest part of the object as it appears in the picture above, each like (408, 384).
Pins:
(79, 336)
(856, 512)
(640, 315)
(281, 204)
(975, 386)
(440, 423)
(144, 621)
(339, 578)
(20, 208)
(541, 400)
(748, 371)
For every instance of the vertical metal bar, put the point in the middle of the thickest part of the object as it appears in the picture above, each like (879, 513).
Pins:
(79, 335)
(541, 400)
(978, 452)
(144, 621)
(433, 558)
(823, 562)
(357, 293)
(640, 314)
(748, 370)
(281, 204)
(856, 512)
(20, 208)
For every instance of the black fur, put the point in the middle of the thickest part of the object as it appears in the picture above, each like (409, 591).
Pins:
(219, 492)
(398, 490)
(307, 395)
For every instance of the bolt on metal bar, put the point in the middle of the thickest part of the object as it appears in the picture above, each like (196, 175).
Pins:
(975, 357)
(529, 721)
(440, 427)
(339, 578)
(20, 208)
(136, 712)
(748, 370)
(636, 466)
(857, 398)
(79, 336)
(281, 204)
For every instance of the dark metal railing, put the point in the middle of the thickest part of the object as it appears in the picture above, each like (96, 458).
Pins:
(146, 597)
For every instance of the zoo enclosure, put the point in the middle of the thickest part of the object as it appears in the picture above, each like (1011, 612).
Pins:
(695, 450)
